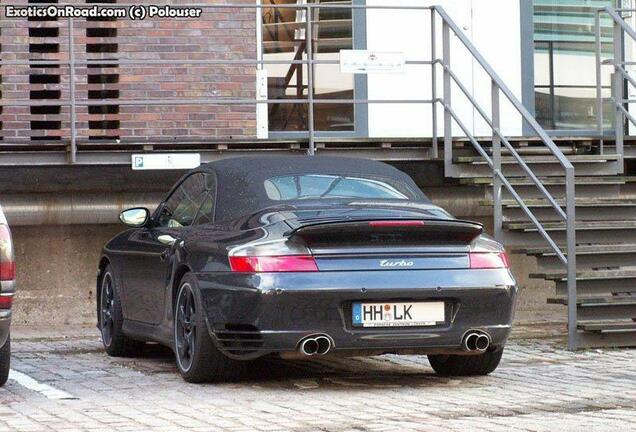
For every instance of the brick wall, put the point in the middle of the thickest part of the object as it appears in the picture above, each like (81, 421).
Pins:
(217, 34)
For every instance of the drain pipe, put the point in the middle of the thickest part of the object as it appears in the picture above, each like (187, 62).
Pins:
(72, 208)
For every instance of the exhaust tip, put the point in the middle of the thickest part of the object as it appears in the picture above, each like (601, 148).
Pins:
(476, 341)
(470, 342)
(309, 347)
(324, 345)
(315, 345)
(482, 343)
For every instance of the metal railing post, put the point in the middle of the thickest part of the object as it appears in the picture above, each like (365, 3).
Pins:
(496, 159)
(599, 82)
(71, 84)
(309, 42)
(571, 257)
(435, 152)
(448, 125)
(619, 125)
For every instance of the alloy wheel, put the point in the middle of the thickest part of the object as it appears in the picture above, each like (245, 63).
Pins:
(185, 327)
(107, 307)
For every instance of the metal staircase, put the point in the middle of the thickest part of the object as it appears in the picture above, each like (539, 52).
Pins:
(602, 300)
(605, 240)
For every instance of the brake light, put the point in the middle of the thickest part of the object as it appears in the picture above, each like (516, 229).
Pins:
(273, 264)
(395, 223)
(480, 260)
(6, 300)
(7, 263)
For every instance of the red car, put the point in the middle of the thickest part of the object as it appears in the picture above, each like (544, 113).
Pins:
(7, 290)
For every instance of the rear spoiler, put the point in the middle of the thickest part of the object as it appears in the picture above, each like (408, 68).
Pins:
(392, 231)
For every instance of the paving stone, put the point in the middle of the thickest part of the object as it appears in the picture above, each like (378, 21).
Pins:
(538, 386)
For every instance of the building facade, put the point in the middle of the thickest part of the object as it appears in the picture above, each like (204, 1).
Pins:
(543, 50)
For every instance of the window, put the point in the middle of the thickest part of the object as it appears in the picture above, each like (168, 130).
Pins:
(564, 60)
(284, 38)
(181, 207)
(206, 212)
(315, 186)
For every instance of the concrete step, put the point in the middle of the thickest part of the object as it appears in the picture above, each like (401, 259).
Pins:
(553, 181)
(596, 256)
(602, 308)
(526, 234)
(619, 285)
(547, 159)
(592, 186)
(605, 339)
(593, 282)
(606, 327)
(549, 166)
(555, 275)
(587, 209)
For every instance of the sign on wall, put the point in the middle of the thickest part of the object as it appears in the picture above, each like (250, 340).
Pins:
(365, 61)
(165, 161)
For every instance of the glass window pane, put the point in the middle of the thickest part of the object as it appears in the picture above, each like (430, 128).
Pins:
(565, 63)
(284, 39)
(314, 186)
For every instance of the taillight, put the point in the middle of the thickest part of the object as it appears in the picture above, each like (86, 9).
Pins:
(396, 223)
(480, 260)
(7, 263)
(6, 300)
(273, 264)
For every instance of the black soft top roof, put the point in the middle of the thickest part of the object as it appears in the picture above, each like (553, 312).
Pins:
(240, 180)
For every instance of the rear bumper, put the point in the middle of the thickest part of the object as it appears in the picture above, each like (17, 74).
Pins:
(253, 315)
(6, 287)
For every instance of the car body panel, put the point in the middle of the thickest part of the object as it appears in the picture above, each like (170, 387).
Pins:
(7, 287)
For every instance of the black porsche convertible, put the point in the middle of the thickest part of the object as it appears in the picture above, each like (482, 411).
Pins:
(299, 257)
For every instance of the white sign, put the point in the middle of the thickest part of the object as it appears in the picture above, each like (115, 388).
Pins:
(165, 161)
(364, 61)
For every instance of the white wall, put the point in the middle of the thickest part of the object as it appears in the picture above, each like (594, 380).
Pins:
(493, 25)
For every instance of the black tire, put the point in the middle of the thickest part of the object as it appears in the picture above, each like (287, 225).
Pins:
(5, 361)
(464, 365)
(198, 359)
(110, 319)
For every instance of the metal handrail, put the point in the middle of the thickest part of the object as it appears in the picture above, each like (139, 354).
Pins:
(620, 76)
(499, 179)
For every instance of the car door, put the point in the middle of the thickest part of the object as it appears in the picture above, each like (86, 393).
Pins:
(148, 266)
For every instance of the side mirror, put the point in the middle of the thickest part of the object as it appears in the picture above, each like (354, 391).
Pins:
(135, 217)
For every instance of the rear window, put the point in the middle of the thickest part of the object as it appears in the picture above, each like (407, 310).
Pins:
(316, 186)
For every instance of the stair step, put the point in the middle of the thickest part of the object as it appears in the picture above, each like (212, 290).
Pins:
(597, 301)
(542, 166)
(556, 275)
(606, 327)
(605, 339)
(553, 181)
(580, 202)
(601, 308)
(581, 250)
(506, 160)
(580, 226)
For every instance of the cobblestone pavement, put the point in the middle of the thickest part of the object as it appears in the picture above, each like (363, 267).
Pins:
(538, 387)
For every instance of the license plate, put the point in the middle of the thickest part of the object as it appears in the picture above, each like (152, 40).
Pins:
(415, 314)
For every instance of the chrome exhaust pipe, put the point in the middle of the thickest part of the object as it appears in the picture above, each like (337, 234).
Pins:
(483, 342)
(324, 345)
(470, 341)
(315, 345)
(309, 347)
